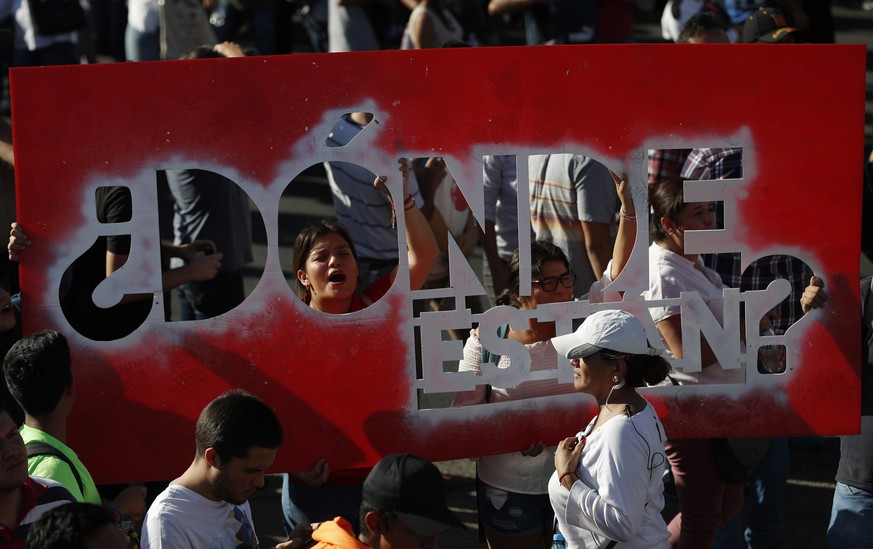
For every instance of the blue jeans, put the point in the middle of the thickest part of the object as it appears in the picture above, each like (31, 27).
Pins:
(764, 496)
(142, 46)
(304, 504)
(851, 523)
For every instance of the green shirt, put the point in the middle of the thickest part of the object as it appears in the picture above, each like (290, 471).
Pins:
(55, 469)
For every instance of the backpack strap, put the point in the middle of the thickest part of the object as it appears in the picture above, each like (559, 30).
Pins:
(37, 449)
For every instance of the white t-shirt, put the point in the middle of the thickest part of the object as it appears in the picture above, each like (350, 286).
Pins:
(619, 495)
(512, 471)
(445, 28)
(669, 275)
(180, 517)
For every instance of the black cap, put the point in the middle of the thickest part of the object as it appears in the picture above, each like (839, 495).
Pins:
(413, 489)
(766, 25)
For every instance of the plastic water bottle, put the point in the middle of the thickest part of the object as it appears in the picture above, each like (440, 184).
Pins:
(558, 541)
(769, 356)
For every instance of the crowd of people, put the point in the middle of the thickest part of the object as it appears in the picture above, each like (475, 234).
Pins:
(603, 487)
(60, 32)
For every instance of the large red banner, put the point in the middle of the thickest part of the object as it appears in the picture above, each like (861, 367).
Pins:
(346, 386)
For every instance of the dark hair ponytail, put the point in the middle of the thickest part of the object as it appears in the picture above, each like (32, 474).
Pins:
(667, 200)
(645, 370)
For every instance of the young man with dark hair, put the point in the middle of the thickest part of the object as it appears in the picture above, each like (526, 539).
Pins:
(39, 374)
(236, 436)
(403, 507)
(23, 498)
(76, 526)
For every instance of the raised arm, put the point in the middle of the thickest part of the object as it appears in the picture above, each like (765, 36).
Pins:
(422, 30)
(627, 226)
(422, 246)
(496, 7)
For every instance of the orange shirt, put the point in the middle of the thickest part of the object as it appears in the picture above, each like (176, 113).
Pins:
(336, 533)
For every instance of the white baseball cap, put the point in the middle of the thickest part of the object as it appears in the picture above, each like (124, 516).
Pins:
(615, 330)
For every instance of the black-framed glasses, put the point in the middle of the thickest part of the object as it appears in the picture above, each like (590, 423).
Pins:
(550, 283)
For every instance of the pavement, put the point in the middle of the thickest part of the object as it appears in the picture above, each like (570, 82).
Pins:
(811, 476)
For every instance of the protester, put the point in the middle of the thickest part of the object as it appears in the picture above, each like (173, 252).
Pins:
(703, 28)
(768, 26)
(361, 207)
(572, 206)
(554, 22)
(404, 507)
(236, 437)
(326, 264)
(500, 233)
(449, 216)
(10, 332)
(106, 256)
(431, 24)
(45, 39)
(325, 261)
(607, 482)
(513, 488)
(210, 207)
(851, 523)
(23, 499)
(38, 372)
(76, 526)
(706, 502)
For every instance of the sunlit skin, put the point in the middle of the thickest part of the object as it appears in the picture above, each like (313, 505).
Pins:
(237, 479)
(593, 376)
(331, 274)
(695, 216)
(550, 269)
(7, 314)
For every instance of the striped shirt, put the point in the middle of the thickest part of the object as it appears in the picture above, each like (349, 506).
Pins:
(362, 209)
(566, 189)
(38, 496)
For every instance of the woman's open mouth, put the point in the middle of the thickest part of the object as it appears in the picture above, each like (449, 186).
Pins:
(336, 277)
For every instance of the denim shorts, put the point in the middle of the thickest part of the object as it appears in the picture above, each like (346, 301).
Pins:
(513, 514)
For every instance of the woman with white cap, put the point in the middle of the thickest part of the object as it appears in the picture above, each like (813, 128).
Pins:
(513, 487)
(607, 490)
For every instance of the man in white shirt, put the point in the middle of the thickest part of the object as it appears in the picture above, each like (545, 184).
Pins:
(237, 436)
